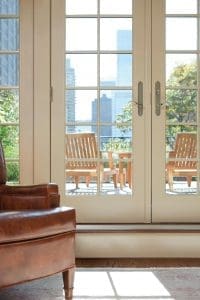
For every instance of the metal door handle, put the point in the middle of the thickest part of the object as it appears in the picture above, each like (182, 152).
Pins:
(140, 98)
(157, 98)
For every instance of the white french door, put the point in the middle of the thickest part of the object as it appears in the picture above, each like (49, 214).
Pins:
(175, 111)
(122, 71)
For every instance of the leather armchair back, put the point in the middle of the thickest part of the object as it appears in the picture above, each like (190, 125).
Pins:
(3, 175)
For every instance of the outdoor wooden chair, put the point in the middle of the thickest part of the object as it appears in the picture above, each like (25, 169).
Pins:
(183, 159)
(81, 159)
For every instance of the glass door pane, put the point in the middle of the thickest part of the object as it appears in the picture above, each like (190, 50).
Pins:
(9, 85)
(98, 99)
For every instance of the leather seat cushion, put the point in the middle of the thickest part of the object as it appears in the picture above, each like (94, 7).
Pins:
(33, 224)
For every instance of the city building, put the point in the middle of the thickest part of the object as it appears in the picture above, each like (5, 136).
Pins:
(105, 116)
(9, 43)
(70, 95)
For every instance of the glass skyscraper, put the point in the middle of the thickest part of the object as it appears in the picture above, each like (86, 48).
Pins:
(9, 43)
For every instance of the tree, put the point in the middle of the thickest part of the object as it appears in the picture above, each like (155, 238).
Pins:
(180, 103)
(124, 120)
(9, 130)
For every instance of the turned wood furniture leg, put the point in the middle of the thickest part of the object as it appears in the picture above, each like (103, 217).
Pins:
(68, 280)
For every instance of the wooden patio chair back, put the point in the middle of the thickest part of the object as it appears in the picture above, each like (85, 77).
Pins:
(186, 149)
(182, 160)
(81, 151)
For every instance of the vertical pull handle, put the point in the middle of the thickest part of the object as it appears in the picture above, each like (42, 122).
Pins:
(157, 98)
(140, 98)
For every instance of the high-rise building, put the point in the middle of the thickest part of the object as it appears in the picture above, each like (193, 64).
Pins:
(70, 95)
(9, 42)
(105, 115)
(124, 77)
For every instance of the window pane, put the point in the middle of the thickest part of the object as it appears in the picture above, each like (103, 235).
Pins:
(181, 159)
(105, 110)
(80, 128)
(81, 7)
(116, 34)
(9, 7)
(9, 34)
(181, 106)
(74, 34)
(10, 140)
(116, 7)
(78, 101)
(175, 39)
(181, 6)
(81, 70)
(9, 69)
(12, 172)
(9, 103)
(116, 67)
(179, 68)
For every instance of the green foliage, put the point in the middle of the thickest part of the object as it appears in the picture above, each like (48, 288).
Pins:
(181, 102)
(117, 145)
(124, 120)
(9, 129)
(13, 172)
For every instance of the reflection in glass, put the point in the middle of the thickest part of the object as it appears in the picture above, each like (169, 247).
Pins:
(181, 6)
(9, 7)
(74, 34)
(181, 70)
(9, 69)
(81, 7)
(116, 34)
(9, 29)
(178, 40)
(81, 69)
(117, 67)
(116, 7)
(181, 106)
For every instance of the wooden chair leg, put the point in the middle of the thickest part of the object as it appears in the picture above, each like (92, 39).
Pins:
(189, 180)
(68, 280)
(87, 179)
(115, 180)
(170, 179)
(76, 181)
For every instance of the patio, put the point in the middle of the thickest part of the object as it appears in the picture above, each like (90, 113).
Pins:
(179, 187)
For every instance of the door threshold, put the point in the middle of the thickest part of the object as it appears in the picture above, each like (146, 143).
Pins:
(107, 228)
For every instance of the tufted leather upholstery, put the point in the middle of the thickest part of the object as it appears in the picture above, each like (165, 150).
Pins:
(36, 235)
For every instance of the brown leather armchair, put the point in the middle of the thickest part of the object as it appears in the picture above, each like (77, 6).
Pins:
(36, 235)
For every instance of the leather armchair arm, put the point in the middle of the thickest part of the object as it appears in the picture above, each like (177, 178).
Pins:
(40, 196)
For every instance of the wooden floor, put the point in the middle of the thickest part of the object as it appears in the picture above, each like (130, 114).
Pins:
(138, 262)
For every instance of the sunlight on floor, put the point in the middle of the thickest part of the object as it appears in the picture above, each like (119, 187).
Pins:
(106, 284)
